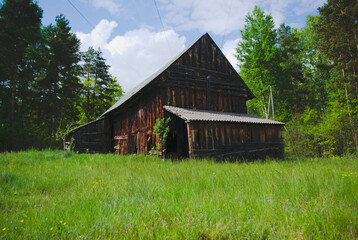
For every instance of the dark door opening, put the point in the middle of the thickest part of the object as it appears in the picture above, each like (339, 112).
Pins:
(177, 145)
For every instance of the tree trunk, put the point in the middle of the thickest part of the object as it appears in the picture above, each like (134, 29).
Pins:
(355, 82)
(63, 116)
(12, 107)
(54, 127)
(354, 132)
(353, 129)
(88, 104)
(13, 93)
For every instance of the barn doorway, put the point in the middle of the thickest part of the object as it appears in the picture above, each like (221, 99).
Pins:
(177, 145)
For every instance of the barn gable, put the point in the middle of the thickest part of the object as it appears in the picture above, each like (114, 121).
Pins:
(202, 55)
(205, 54)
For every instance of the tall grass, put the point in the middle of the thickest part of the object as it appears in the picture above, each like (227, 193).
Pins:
(61, 195)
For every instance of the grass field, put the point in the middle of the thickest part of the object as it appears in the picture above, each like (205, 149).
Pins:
(61, 195)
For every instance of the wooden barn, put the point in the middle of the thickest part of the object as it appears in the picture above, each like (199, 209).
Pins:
(206, 100)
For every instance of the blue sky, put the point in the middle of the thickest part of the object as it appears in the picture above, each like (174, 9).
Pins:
(136, 43)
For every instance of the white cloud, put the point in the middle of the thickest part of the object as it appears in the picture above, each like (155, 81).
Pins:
(227, 16)
(305, 6)
(135, 55)
(99, 35)
(229, 50)
(218, 17)
(113, 6)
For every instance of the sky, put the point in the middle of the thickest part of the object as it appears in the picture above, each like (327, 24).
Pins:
(138, 37)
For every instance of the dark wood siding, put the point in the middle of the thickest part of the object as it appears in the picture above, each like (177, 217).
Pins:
(133, 126)
(222, 140)
(205, 54)
(93, 137)
(199, 89)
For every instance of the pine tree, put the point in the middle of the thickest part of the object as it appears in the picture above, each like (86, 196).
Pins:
(101, 88)
(338, 40)
(20, 22)
(60, 88)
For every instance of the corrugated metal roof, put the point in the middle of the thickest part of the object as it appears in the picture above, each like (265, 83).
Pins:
(86, 124)
(205, 115)
(140, 86)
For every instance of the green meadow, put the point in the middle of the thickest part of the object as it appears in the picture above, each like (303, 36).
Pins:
(63, 195)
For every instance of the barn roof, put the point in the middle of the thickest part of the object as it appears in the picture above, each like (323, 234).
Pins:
(143, 84)
(212, 116)
(86, 124)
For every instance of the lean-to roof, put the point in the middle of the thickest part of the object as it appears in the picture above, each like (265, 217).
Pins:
(213, 116)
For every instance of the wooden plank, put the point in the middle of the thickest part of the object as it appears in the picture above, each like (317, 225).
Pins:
(174, 102)
(237, 134)
(212, 132)
(221, 107)
(123, 137)
(208, 93)
(206, 50)
(229, 133)
(218, 135)
(229, 98)
(206, 135)
(192, 96)
(221, 135)
(168, 95)
(199, 104)
(225, 136)
(187, 98)
(190, 138)
(204, 99)
(182, 94)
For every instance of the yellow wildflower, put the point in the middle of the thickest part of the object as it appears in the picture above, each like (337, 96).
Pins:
(64, 223)
(61, 221)
(51, 229)
(4, 229)
(80, 237)
(22, 221)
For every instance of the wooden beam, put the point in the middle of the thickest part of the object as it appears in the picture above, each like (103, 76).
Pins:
(190, 140)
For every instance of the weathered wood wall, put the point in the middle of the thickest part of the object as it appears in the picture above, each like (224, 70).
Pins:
(133, 125)
(202, 78)
(205, 54)
(93, 137)
(200, 89)
(222, 140)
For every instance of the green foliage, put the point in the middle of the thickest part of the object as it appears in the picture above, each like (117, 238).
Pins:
(62, 195)
(161, 130)
(315, 135)
(41, 94)
(314, 78)
(101, 90)
(338, 41)
(259, 58)
(61, 86)
(20, 22)
(317, 68)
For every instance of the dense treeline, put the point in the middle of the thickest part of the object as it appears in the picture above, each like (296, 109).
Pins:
(313, 74)
(47, 85)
